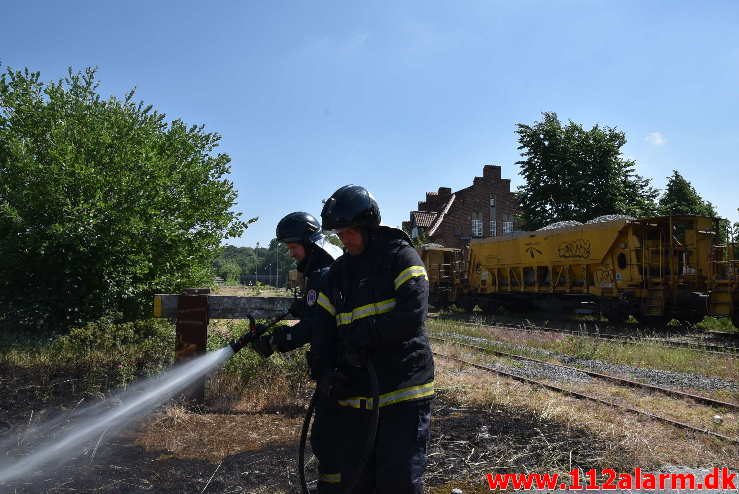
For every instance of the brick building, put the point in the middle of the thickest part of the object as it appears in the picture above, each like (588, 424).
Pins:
(484, 209)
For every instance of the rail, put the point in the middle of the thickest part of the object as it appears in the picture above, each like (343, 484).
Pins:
(730, 351)
(627, 382)
(594, 399)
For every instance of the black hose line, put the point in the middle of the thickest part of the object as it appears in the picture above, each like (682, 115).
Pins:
(368, 445)
(303, 439)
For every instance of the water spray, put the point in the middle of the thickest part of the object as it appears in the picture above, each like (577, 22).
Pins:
(66, 437)
(59, 440)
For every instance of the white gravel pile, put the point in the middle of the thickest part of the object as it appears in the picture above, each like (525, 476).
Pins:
(559, 224)
(610, 217)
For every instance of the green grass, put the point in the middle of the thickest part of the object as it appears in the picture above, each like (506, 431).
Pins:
(642, 354)
(104, 355)
(722, 324)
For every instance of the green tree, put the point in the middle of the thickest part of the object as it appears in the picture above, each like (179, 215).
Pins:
(102, 202)
(276, 257)
(263, 260)
(243, 256)
(334, 239)
(229, 270)
(680, 197)
(577, 174)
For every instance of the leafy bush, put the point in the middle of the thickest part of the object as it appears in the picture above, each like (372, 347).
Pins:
(94, 358)
(102, 203)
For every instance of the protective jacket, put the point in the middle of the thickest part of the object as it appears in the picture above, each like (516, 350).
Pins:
(378, 301)
(315, 269)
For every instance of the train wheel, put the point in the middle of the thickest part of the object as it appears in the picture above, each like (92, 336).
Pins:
(614, 313)
(467, 304)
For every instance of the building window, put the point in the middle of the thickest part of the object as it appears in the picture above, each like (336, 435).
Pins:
(493, 228)
(477, 225)
(507, 227)
(492, 199)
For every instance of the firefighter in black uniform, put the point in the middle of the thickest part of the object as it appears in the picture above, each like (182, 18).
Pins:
(375, 300)
(314, 254)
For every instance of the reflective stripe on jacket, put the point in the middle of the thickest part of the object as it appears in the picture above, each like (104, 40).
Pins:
(385, 286)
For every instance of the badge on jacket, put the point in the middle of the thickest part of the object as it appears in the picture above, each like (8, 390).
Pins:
(311, 297)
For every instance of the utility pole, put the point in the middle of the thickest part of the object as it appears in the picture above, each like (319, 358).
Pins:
(256, 264)
(278, 265)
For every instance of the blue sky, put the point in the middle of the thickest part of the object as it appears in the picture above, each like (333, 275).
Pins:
(404, 97)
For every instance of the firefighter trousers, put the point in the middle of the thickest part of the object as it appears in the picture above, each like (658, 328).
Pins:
(396, 462)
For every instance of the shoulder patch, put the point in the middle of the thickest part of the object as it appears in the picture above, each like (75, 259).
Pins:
(311, 297)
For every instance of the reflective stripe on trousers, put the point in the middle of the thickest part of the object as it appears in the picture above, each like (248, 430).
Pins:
(397, 396)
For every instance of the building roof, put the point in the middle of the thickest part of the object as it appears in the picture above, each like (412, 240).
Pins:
(423, 219)
(440, 217)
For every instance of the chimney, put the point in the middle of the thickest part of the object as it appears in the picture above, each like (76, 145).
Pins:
(491, 171)
(445, 191)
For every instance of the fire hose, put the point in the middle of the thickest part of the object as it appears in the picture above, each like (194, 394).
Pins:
(368, 445)
(254, 333)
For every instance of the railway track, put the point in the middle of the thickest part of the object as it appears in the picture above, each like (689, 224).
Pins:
(730, 351)
(595, 399)
(606, 377)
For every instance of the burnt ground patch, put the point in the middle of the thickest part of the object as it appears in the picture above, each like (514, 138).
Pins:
(468, 442)
(174, 454)
(125, 467)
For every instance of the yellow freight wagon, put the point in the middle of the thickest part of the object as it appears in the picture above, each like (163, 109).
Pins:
(669, 266)
(445, 268)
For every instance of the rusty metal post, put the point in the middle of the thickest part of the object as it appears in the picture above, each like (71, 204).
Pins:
(192, 334)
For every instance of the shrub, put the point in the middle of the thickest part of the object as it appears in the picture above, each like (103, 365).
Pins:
(710, 323)
(102, 203)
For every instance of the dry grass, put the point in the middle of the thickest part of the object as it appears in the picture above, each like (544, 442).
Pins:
(641, 441)
(698, 415)
(252, 291)
(215, 436)
(245, 437)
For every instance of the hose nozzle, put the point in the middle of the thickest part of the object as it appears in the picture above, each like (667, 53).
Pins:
(246, 338)
(253, 333)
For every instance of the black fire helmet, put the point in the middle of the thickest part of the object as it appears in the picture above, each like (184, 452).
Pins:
(351, 205)
(298, 227)
(303, 228)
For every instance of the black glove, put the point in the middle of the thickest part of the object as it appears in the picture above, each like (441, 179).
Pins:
(333, 385)
(298, 308)
(281, 339)
(263, 345)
